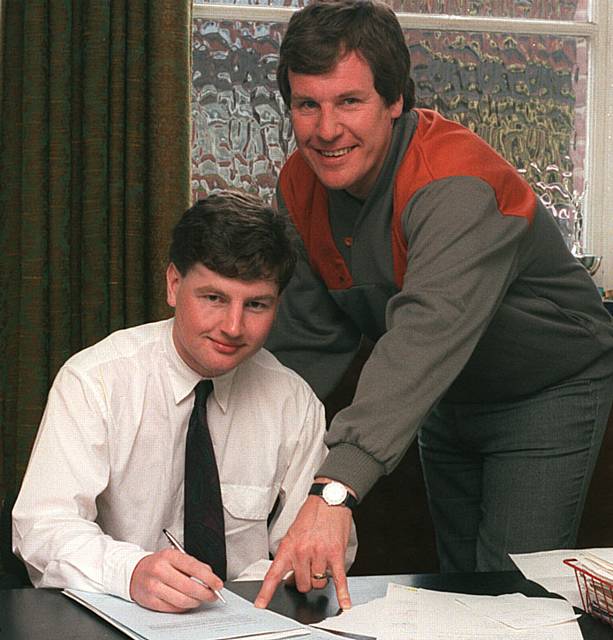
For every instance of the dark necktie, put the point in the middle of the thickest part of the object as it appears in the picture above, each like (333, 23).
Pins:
(204, 533)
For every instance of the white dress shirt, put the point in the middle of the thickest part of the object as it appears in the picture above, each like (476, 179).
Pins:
(106, 472)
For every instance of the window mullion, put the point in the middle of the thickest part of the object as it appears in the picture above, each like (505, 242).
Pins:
(440, 22)
(599, 201)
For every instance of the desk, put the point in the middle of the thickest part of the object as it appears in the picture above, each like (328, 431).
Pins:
(45, 614)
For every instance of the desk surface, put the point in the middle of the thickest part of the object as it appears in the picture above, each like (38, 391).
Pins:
(45, 614)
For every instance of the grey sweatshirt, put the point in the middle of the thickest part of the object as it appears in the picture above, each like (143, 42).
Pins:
(491, 309)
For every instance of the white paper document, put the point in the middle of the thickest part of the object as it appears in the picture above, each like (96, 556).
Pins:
(369, 619)
(216, 621)
(443, 616)
(362, 619)
(517, 611)
(547, 568)
(407, 613)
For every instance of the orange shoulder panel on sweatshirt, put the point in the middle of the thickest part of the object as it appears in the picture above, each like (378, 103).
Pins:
(440, 148)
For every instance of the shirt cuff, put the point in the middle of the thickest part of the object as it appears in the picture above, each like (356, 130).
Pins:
(119, 571)
(255, 571)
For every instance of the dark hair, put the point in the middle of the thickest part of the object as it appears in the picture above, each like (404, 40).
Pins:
(326, 30)
(236, 235)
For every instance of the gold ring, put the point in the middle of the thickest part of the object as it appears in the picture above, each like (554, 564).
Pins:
(320, 576)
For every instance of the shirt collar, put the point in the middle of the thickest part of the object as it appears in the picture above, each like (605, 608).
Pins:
(183, 378)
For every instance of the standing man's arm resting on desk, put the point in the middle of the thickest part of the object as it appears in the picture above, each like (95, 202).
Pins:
(314, 544)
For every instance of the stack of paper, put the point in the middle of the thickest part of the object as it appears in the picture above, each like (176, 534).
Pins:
(216, 621)
(407, 613)
(599, 588)
(599, 562)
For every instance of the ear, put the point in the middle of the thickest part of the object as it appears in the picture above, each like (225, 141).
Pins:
(277, 304)
(396, 108)
(173, 280)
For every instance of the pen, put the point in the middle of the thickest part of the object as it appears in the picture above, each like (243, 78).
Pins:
(179, 547)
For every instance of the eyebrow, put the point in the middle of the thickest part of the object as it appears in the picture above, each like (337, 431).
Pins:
(263, 298)
(218, 292)
(300, 96)
(345, 94)
(208, 289)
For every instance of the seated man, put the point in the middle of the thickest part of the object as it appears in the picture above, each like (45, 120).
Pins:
(107, 471)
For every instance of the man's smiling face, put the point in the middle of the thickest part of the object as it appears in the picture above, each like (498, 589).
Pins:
(343, 127)
(219, 321)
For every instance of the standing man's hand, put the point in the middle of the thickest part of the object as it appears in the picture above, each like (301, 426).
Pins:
(172, 581)
(314, 545)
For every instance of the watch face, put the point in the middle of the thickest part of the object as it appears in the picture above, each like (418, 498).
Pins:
(334, 493)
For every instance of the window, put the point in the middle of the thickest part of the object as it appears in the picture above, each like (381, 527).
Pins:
(529, 76)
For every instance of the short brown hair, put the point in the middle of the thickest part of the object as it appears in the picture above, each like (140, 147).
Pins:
(236, 235)
(326, 30)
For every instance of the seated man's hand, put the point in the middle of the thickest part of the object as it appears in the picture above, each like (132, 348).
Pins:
(163, 581)
(314, 545)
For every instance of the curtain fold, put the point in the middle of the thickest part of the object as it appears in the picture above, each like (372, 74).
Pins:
(94, 172)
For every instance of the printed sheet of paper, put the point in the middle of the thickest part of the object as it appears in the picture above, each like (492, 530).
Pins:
(517, 611)
(401, 613)
(407, 613)
(236, 619)
(362, 619)
(395, 613)
(548, 569)
(442, 616)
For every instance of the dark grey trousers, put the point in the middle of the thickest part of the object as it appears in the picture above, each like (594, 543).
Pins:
(512, 477)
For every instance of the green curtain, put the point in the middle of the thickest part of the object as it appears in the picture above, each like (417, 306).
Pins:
(94, 172)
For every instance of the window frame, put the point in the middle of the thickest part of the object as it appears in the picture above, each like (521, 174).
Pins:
(597, 31)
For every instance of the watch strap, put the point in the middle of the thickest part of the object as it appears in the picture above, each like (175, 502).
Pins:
(317, 489)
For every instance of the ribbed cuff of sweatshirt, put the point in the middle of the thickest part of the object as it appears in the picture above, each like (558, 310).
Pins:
(352, 466)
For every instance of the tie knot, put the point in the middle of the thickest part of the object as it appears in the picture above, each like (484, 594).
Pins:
(202, 389)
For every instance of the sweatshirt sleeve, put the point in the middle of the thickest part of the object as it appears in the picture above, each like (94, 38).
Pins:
(463, 254)
(311, 334)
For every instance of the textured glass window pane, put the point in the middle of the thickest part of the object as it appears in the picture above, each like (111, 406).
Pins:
(525, 95)
(542, 9)
(241, 131)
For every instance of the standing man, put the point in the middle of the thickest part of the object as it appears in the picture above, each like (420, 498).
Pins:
(491, 340)
(185, 424)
